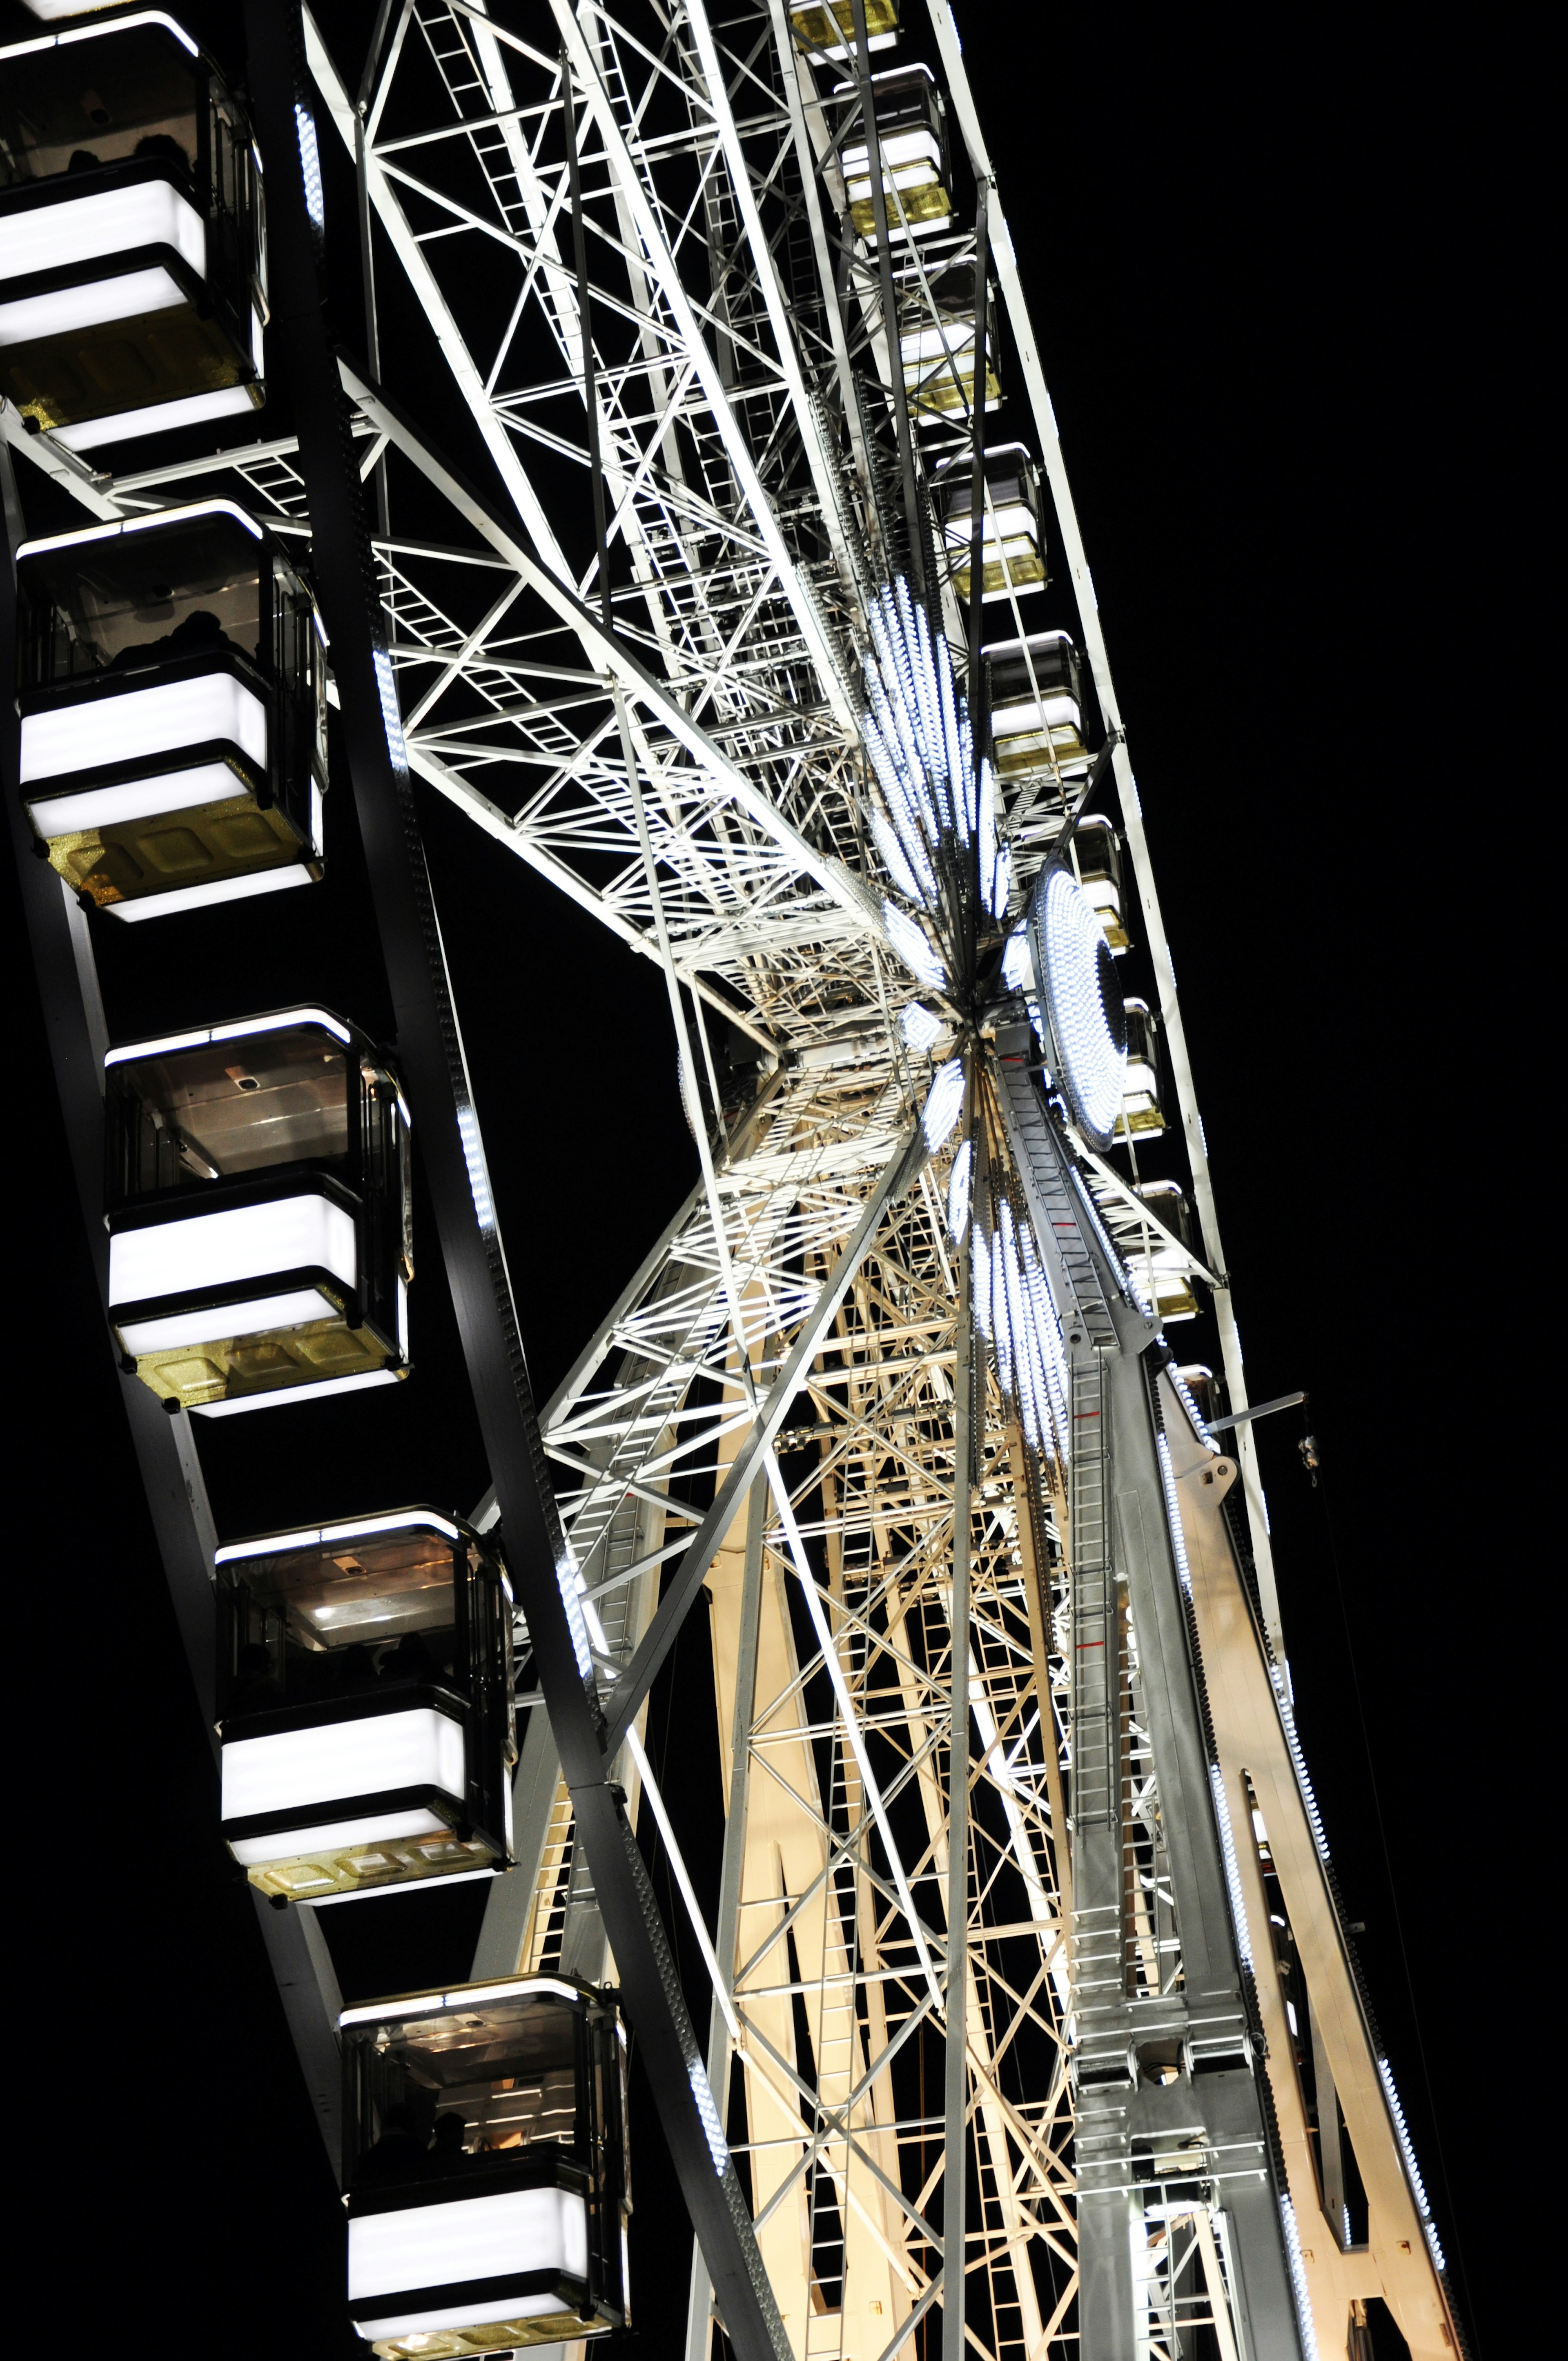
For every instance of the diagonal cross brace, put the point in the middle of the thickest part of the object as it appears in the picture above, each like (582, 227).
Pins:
(626, 1698)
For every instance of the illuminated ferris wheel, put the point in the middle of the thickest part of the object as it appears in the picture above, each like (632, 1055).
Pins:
(766, 637)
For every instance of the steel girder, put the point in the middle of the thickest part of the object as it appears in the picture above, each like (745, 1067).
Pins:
(739, 355)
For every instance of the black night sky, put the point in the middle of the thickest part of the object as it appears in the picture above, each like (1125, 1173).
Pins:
(1241, 257)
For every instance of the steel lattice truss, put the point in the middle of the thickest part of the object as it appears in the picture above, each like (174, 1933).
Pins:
(679, 751)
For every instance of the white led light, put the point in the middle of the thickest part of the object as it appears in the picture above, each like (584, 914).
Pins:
(1302, 2292)
(1386, 2076)
(570, 1584)
(101, 807)
(279, 1396)
(398, 1886)
(942, 1104)
(1016, 1308)
(452, 2316)
(431, 2003)
(156, 522)
(242, 1241)
(920, 1028)
(515, 1988)
(276, 1022)
(473, 1158)
(916, 733)
(143, 721)
(333, 1836)
(280, 1021)
(158, 418)
(366, 1528)
(1017, 967)
(1079, 974)
(297, 1770)
(91, 228)
(310, 165)
(980, 1265)
(66, 311)
(291, 1309)
(1298, 1762)
(161, 518)
(391, 713)
(1232, 1872)
(959, 1191)
(204, 898)
(522, 2230)
(712, 2129)
(1173, 1514)
(120, 25)
(913, 948)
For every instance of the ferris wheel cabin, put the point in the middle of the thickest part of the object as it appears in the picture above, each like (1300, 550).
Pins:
(1013, 546)
(938, 345)
(912, 140)
(172, 689)
(259, 1212)
(132, 243)
(1034, 695)
(364, 1695)
(485, 2166)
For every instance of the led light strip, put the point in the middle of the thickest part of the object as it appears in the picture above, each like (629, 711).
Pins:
(156, 522)
(168, 1042)
(360, 1528)
(465, 1996)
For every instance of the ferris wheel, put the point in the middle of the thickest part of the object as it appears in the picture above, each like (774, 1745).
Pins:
(626, 425)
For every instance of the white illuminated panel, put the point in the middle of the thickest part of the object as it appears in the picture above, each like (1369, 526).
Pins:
(202, 897)
(290, 1309)
(299, 1769)
(169, 791)
(221, 1249)
(66, 311)
(902, 154)
(476, 2238)
(93, 228)
(158, 418)
(460, 2316)
(1049, 712)
(278, 1395)
(335, 1835)
(157, 720)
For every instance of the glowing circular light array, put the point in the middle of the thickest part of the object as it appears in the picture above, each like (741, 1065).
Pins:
(1083, 1002)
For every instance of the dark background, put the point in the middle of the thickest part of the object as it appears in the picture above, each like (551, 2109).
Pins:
(1251, 271)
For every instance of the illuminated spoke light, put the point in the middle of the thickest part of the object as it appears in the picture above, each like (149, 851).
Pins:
(1016, 1310)
(913, 948)
(920, 1028)
(946, 1097)
(959, 1191)
(917, 733)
